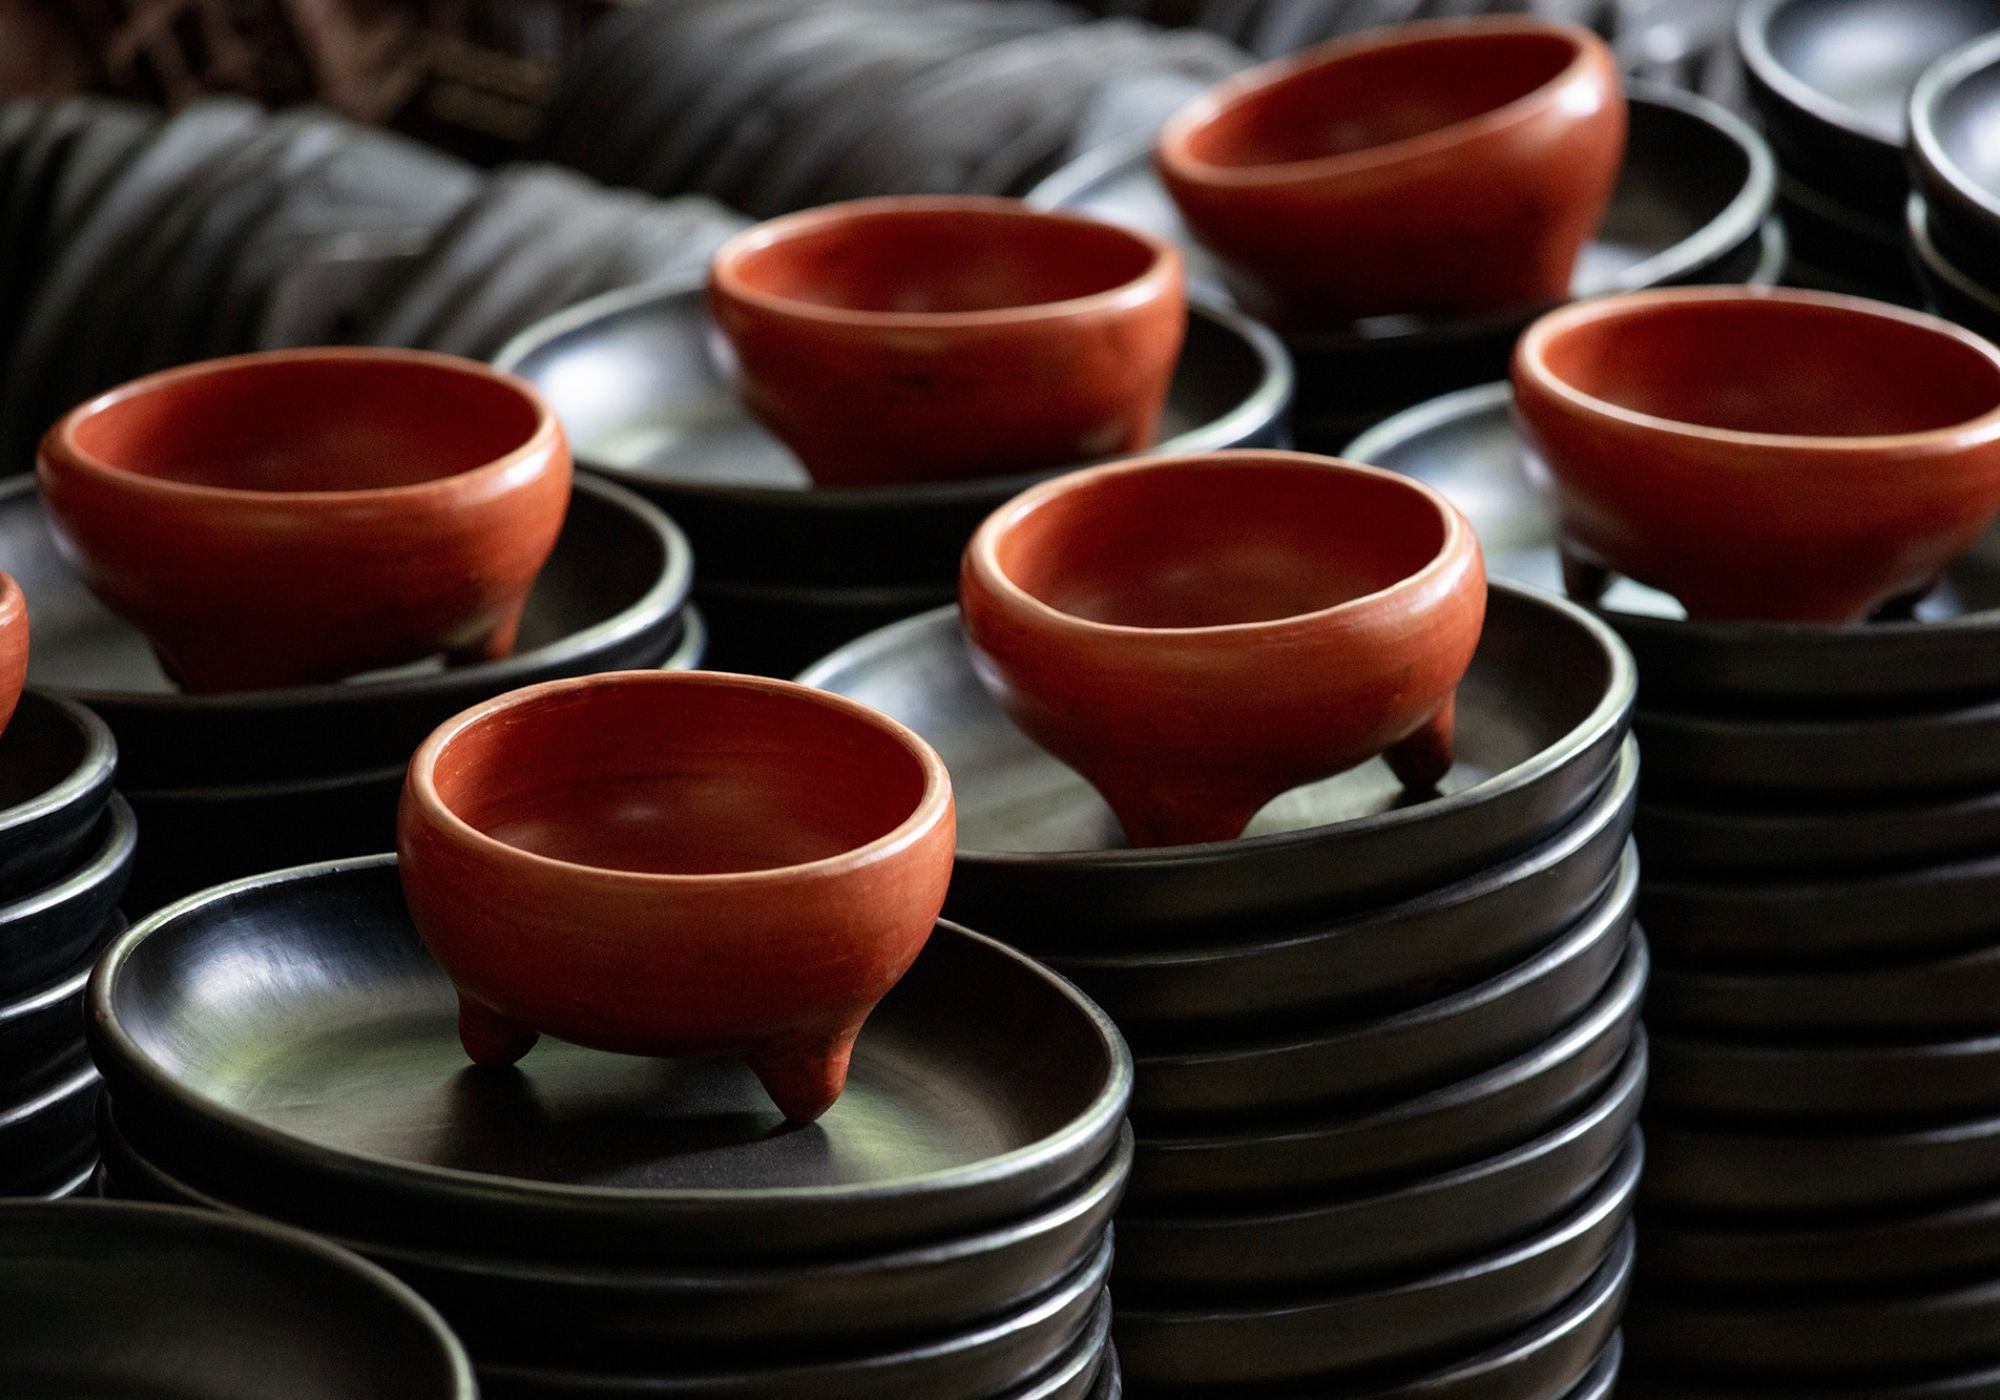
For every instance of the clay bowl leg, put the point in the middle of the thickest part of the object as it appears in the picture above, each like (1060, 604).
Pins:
(804, 1077)
(1585, 580)
(497, 644)
(1421, 761)
(1903, 607)
(490, 1038)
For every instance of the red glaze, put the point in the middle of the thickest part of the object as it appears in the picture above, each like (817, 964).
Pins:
(921, 339)
(1196, 635)
(1783, 455)
(13, 647)
(1447, 167)
(305, 515)
(677, 863)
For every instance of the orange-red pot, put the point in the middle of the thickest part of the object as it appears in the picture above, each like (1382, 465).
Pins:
(13, 647)
(1443, 168)
(1762, 454)
(1196, 635)
(304, 515)
(677, 863)
(922, 339)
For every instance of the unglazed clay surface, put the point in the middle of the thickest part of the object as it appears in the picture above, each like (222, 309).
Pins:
(13, 647)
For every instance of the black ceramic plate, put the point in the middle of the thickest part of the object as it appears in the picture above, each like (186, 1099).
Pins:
(144, 1300)
(1465, 445)
(1954, 991)
(363, 1105)
(1952, 113)
(997, 1359)
(41, 1031)
(1463, 1307)
(610, 597)
(639, 381)
(1839, 1084)
(1541, 714)
(1402, 1230)
(57, 760)
(45, 1137)
(1461, 1123)
(1403, 954)
(45, 933)
(539, 1313)
(777, 629)
(1953, 292)
(1817, 839)
(1188, 1081)
(1653, 1382)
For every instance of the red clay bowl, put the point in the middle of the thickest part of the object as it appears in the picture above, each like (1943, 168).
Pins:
(1447, 167)
(13, 647)
(676, 863)
(1760, 454)
(927, 339)
(306, 515)
(1196, 635)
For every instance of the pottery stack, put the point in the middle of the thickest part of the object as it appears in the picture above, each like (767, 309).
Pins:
(1953, 215)
(1387, 1057)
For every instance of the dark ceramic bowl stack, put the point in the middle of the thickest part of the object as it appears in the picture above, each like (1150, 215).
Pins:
(1953, 215)
(1818, 818)
(234, 784)
(1830, 81)
(789, 571)
(1387, 1054)
(66, 846)
(1693, 204)
(776, 107)
(598, 1225)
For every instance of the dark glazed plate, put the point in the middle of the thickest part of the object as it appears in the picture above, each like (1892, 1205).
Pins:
(1838, 1084)
(363, 1106)
(641, 382)
(1952, 118)
(1541, 714)
(1953, 292)
(1462, 1307)
(57, 761)
(42, 1027)
(147, 1300)
(1404, 1229)
(1465, 445)
(1654, 1382)
(45, 1138)
(54, 928)
(610, 597)
(1814, 839)
(1953, 991)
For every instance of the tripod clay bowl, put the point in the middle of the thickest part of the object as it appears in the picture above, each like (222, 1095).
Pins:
(676, 863)
(919, 339)
(302, 516)
(1446, 167)
(1196, 635)
(1759, 454)
(13, 647)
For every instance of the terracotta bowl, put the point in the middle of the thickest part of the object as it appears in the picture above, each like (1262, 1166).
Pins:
(1196, 635)
(13, 647)
(1761, 454)
(676, 863)
(923, 339)
(1438, 168)
(306, 515)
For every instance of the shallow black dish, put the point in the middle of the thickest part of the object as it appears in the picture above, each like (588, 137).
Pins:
(1541, 714)
(1956, 990)
(775, 629)
(41, 1030)
(1402, 1229)
(1813, 839)
(57, 761)
(1655, 1381)
(641, 382)
(53, 928)
(45, 1134)
(365, 1106)
(1952, 115)
(1953, 292)
(611, 596)
(1842, 1083)
(129, 1299)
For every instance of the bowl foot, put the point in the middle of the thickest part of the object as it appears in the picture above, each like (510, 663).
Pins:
(496, 645)
(1421, 760)
(1584, 580)
(490, 1038)
(804, 1078)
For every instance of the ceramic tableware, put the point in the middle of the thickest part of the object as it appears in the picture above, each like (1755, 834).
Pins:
(1809, 457)
(912, 338)
(1951, 111)
(944, 1128)
(57, 761)
(756, 863)
(1813, 841)
(1917, 995)
(391, 505)
(1955, 293)
(134, 1299)
(53, 928)
(1199, 635)
(1452, 168)
(1720, 1077)
(45, 1130)
(13, 647)
(1654, 1382)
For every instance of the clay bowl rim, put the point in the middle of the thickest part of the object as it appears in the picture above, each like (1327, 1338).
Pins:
(60, 444)
(495, 1190)
(1530, 363)
(1586, 49)
(982, 556)
(284, 1237)
(100, 861)
(1938, 84)
(98, 765)
(933, 806)
(1163, 270)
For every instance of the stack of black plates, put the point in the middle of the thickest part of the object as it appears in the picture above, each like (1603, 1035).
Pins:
(1692, 204)
(1387, 1058)
(1954, 215)
(1822, 1204)
(598, 1225)
(772, 107)
(790, 571)
(66, 844)
(1831, 82)
(137, 1300)
(228, 785)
